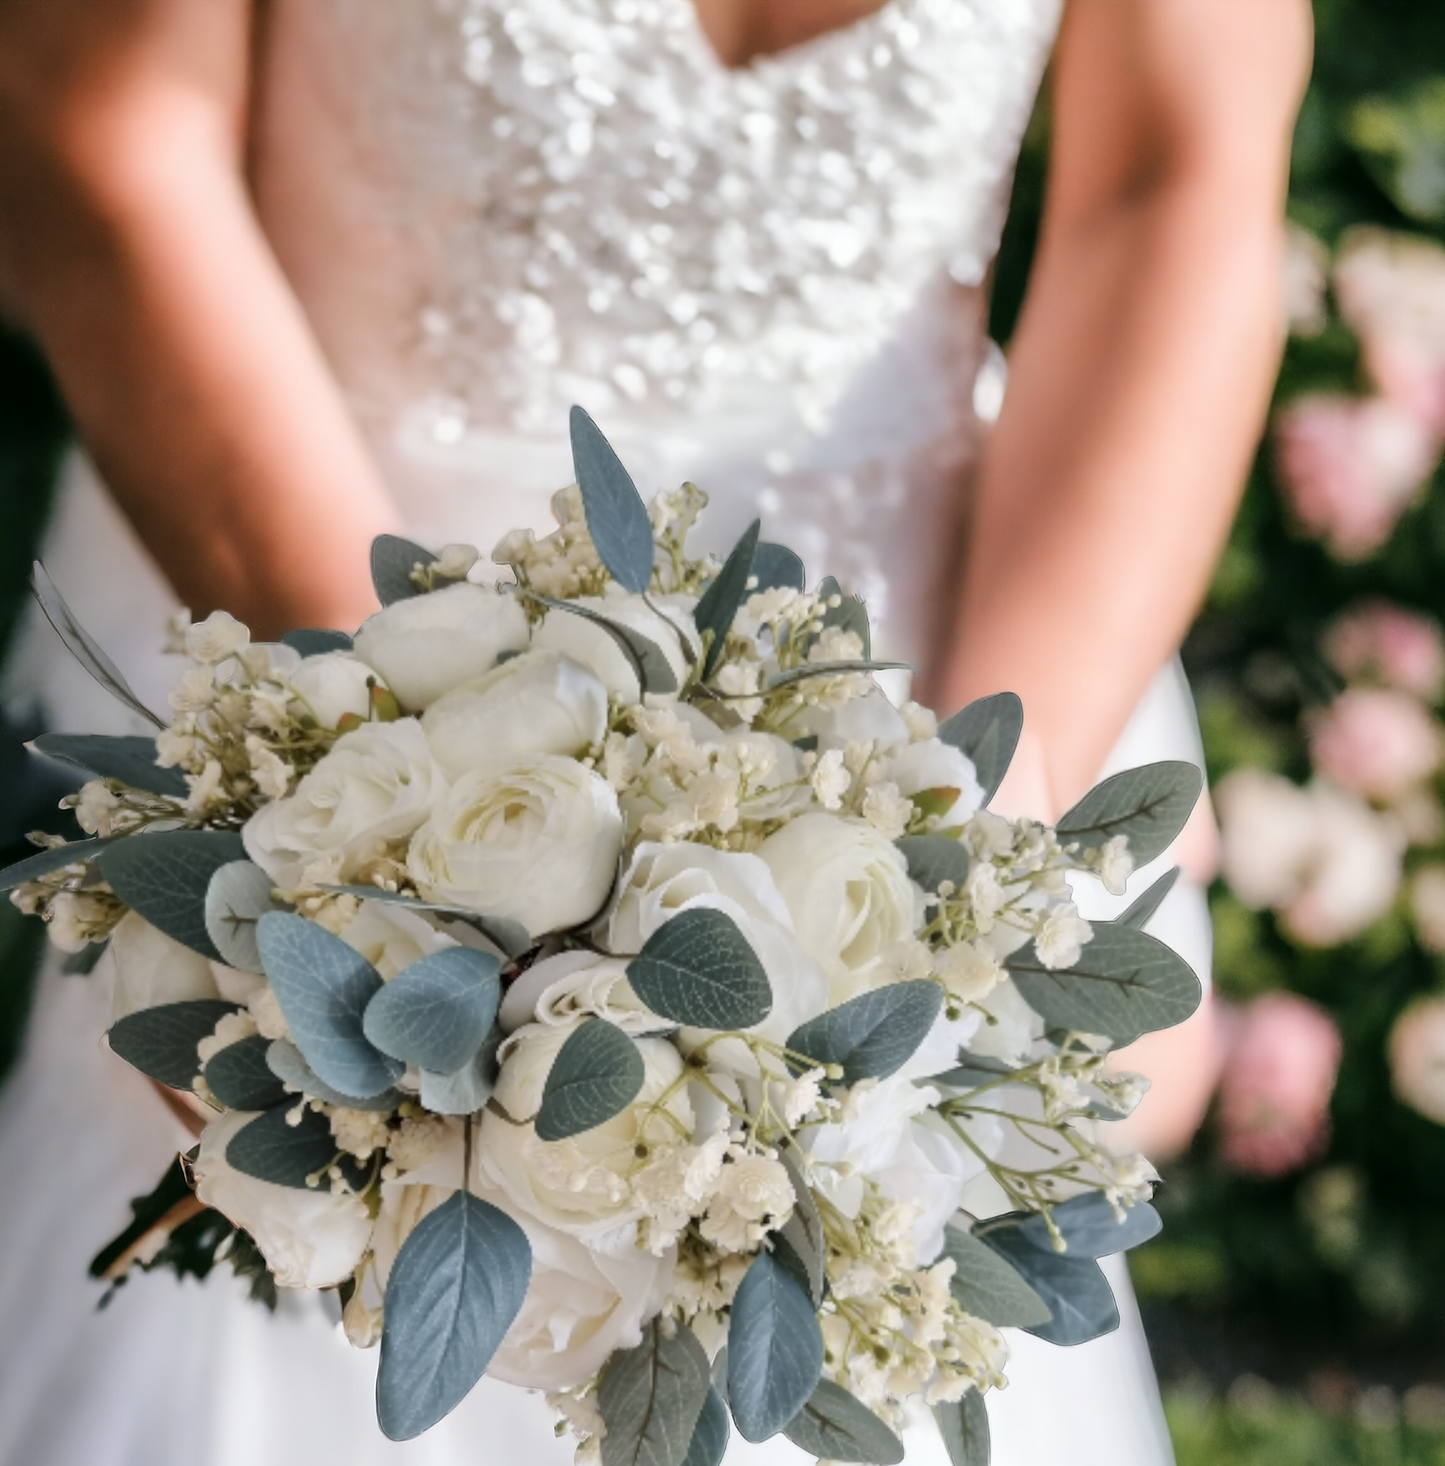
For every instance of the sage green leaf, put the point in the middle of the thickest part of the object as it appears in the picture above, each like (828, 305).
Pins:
(436, 1012)
(872, 1035)
(849, 615)
(652, 1396)
(831, 669)
(457, 1284)
(164, 878)
(323, 987)
(57, 857)
(835, 1426)
(803, 1231)
(392, 561)
(597, 1073)
(616, 516)
(987, 731)
(718, 607)
(1125, 983)
(698, 969)
(776, 566)
(239, 1076)
(987, 1286)
(1074, 1289)
(466, 1090)
(963, 1424)
(161, 1041)
(238, 896)
(710, 1435)
(1140, 911)
(1090, 1228)
(271, 1148)
(973, 1071)
(83, 647)
(651, 668)
(1147, 805)
(510, 936)
(933, 859)
(284, 1060)
(775, 1350)
(315, 642)
(129, 760)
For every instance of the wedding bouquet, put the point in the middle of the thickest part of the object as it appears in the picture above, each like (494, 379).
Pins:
(598, 983)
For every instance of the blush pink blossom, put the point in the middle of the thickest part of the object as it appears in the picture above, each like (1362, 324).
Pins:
(1417, 1058)
(1376, 741)
(1274, 1092)
(1351, 466)
(1384, 642)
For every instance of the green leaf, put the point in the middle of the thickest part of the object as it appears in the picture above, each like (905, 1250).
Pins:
(831, 669)
(457, 1284)
(435, 1013)
(973, 1070)
(174, 1187)
(1148, 805)
(775, 1350)
(1074, 1289)
(718, 607)
(164, 877)
(83, 647)
(652, 1397)
(240, 1077)
(132, 761)
(284, 1060)
(776, 566)
(392, 561)
(651, 668)
(1090, 1228)
(271, 1148)
(467, 1089)
(161, 1041)
(1125, 983)
(987, 732)
(849, 615)
(323, 987)
(963, 1424)
(315, 642)
(238, 896)
(1149, 902)
(835, 1426)
(698, 969)
(616, 516)
(933, 859)
(710, 1434)
(596, 1075)
(510, 936)
(803, 1231)
(872, 1035)
(57, 857)
(987, 1287)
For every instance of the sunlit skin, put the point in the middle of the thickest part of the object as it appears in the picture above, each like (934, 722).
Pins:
(1139, 375)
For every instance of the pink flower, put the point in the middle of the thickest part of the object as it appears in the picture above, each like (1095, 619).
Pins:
(1375, 741)
(1350, 467)
(1417, 1058)
(1274, 1093)
(1400, 648)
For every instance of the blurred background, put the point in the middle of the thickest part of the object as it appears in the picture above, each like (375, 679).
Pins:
(1296, 1299)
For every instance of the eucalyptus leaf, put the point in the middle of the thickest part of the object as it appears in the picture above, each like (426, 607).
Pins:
(651, 1398)
(238, 896)
(83, 647)
(835, 1426)
(239, 1076)
(963, 1424)
(1125, 983)
(710, 1435)
(324, 987)
(284, 1060)
(973, 1071)
(164, 878)
(987, 1286)
(987, 731)
(652, 669)
(1139, 912)
(436, 1012)
(510, 936)
(849, 615)
(1147, 805)
(776, 567)
(718, 607)
(831, 669)
(616, 516)
(57, 857)
(872, 1035)
(130, 760)
(316, 642)
(271, 1148)
(803, 1231)
(466, 1090)
(775, 1350)
(161, 1041)
(455, 1287)
(392, 561)
(1090, 1228)
(698, 969)
(597, 1073)
(933, 859)
(1074, 1289)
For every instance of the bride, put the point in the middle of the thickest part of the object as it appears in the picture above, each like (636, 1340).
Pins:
(316, 269)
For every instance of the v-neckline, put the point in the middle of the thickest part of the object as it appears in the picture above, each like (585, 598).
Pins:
(700, 38)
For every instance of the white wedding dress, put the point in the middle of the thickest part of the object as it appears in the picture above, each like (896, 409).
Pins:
(768, 281)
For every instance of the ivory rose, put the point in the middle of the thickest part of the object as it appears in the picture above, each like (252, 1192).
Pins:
(666, 622)
(334, 686)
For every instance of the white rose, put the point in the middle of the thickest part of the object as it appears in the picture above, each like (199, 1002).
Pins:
(560, 989)
(537, 845)
(935, 765)
(377, 784)
(587, 643)
(151, 969)
(310, 1239)
(848, 891)
(426, 645)
(540, 702)
(334, 685)
(390, 937)
(870, 718)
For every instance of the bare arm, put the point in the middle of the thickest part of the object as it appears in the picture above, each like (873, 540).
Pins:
(129, 248)
(1141, 369)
